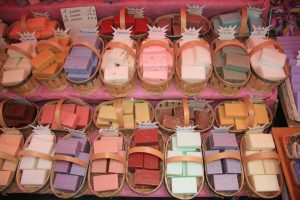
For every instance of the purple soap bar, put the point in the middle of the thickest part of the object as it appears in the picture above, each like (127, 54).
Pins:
(77, 169)
(292, 62)
(62, 167)
(231, 166)
(79, 64)
(290, 39)
(67, 182)
(295, 79)
(223, 141)
(83, 142)
(296, 168)
(81, 51)
(225, 182)
(68, 147)
(296, 87)
(214, 167)
(295, 70)
(289, 46)
(291, 56)
(93, 40)
(78, 77)
(291, 52)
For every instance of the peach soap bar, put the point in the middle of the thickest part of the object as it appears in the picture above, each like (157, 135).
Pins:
(5, 177)
(106, 182)
(13, 77)
(43, 60)
(257, 142)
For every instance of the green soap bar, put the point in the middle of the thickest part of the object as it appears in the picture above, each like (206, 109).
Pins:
(236, 62)
(218, 61)
(233, 76)
(232, 49)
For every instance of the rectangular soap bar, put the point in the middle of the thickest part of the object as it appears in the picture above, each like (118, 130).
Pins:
(116, 166)
(9, 166)
(256, 166)
(174, 146)
(221, 141)
(5, 177)
(62, 167)
(144, 137)
(11, 139)
(84, 143)
(201, 119)
(116, 74)
(50, 71)
(13, 77)
(174, 168)
(155, 75)
(35, 177)
(107, 113)
(188, 140)
(272, 58)
(193, 74)
(135, 160)
(194, 169)
(119, 140)
(129, 121)
(184, 185)
(235, 110)
(271, 73)
(257, 142)
(26, 46)
(107, 182)
(66, 182)
(142, 113)
(99, 166)
(44, 164)
(154, 59)
(77, 169)
(43, 60)
(271, 166)
(67, 147)
(225, 182)
(11, 63)
(172, 122)
(188, 57)
(265, 183)
(106, 146)
(145, 177)
(37, 23)
(224, 120)
(9, 149)
(78, 64)
(236, 62)
(242, 124)
(151, 161)
(232, 166)
(47, 114)
(127, 106)
(233, 76)
(214, 167)
(69, 120)
(261, 114)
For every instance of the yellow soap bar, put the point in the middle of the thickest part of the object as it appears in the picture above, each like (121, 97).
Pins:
(128, 121)
(115, 125)
(265, 183)
(259, 142)
(102, 123)
(224, 121)
(107, 113)
(271, 166)
(50, 71)
(240, 123)
(261, 114)
(43, 60)
(256, 166)
(142, 113)
(127, 106)
(236, 110)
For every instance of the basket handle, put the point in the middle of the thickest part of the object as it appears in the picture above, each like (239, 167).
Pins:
(122, 18)
(250, 112)
(194, 159)
(71, 159)
(88, 45)
(8, 157)
(112, 156)
(261, 156)
(35, 154)
(23, 20)
(2, 122)
(119, 112)
(50, 43)
(228, 43)
(156, 43)
(243, 22)
(189, 44)
(183, 19)
(19, 50)
(186, 112)
(147, 150)
(222, 155)
(113, 44)
(57, 112)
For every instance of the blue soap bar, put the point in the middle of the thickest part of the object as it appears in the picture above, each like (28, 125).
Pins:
(79, 64)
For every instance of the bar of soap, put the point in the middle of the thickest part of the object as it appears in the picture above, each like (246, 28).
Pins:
(84, 143)
(236, 62)
(117, 75)
(231, 166)
(99, 166)
(257, 142)
(13, 77)
(225, 182)
(37, 23)
(77, 169)
(235, 110)
(261, 114)
(69, 120)
(107, 182)
(188, 140)
(34, 177)
(188, 57)
(26, 46)
(127, 106)
(11, 139)
(66, 182)
(62, 167)
(271, 166)
(44, 164)
(105, 146)
(135, 160)
(174, 146)
(184, 185)
(224, 120)
(232, 49)
(49, 71)
(116, 166)
(9, 166)
(201, 119)
(142, 113)
(194, 169)
(107, 113)
(265, 183)
(193, 74)
(11, 63)
(172, 122)
(47, 114)
(145, 177)
(5, 177)
(129, 121)
(9, 149)
(43, 60)
(144, 137)
(241, 124)
(155, 75)
(233, 76)
(67, 147)
(256, 166)
(221, 141)
(214, 167)
(174, 168)
(271, 73)
(151, 161)
(119, 140)
(272, 58)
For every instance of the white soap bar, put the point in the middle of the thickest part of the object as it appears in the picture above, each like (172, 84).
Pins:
(34, 177)
(202, 56)
(194, 169)
(272, 58)
(11, 63)
(275, 74)
(184, 185)
(26, 46)
(41, 146)
(175, 168)
(265, 183)
(193, 74)
(174, 146)
(45, 137)
(117, 55)
(188, 140)
(257, 142)
(45, 164)
(28, 163)
(256, 166)
(188, 57)
(118, 75)
(271, 166)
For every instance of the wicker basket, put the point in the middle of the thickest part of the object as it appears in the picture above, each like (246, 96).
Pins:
(139, 38)
(19, 101)
(119, 111)
(83, 186)
(113, 156)
(11, 186)
(200, 180)
(291, 152)
(259, 83)
(220, 156)
(217, 82)
(3, 58)
(23, 22)
(58, 105)
(93, 83)
(185, 87)
(251, 115)
(120, 90)
(33, 189)
(145, 190)
(260, 156)
(159, 87)
(182, 15)
(29, 84)
(199, 105)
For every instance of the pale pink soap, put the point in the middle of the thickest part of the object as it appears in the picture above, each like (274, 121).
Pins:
(192, 74)
(271, 73)
(99, 166)
(26, 46)
(13, 77)
(105, 146)
(11, 63)
(27, 162)
(116, 166)
(155, 75)
(35, 177)
(188, 57)
(25, 64)
(154, 48)
(202, 56)
(107, 182)
(117, 75)
(154, 60)
(119, 140)
(272, 58)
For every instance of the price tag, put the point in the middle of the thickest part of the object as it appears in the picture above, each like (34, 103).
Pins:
(136, 12)
(221, 129)
(79, 18)
(109, 131)
(27, 37)
(227, 33)
(259, 32)
(195, 9)
(257, 129)
(185, 129)
(76, 133)
(190, 34)
(90, 31)
(59, 32)
(121, 34)
(157, 33)
(40, 14)
(147, 125)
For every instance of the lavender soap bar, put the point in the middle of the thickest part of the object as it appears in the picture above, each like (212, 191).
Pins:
(77, 169)
(68, 147)
(221, 141)
(231, 166)
(62, 167)
(83, 142)
(71, 180)
(225, 182)
(214, 167)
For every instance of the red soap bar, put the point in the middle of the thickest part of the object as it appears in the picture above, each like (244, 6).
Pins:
(68, 119)
(129, 21)
(48, 114)
(141, 26)
(146, 137)
(70, 107)
(83, 113)
(106, 27)
(151, 161)
(135, 160)
(146, 177)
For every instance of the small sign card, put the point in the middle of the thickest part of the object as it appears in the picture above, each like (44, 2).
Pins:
(91, 31)
(77, 133)
(147, 125)
(136, 12)
(190, 34)
(27, 37)
(43, 130)
(221, 129)
(157, 33)
(109, 131)
(40, 14)
(227, 33)
(195, 9)
(259, 32)
(59, 32)
(121, 34)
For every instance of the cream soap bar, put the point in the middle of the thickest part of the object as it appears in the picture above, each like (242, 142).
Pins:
(192, 168)
(271, 166)
(175, 168)
(256, 166)
(265, 183)
(257, 142)
(184, 185)
(188, 140)
(34, 177)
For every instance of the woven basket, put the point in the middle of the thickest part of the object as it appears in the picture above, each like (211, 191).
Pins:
(185, 104)
(200, 180)
(11, 186)
(113, 156)
(93, 83)
(58, 81)
(251, 115)
(58, 104)
(145, 190)
(139, 38)
(217, 82)
(258, 83)
(33, 189)
(20, 101)
(292, 152)
(220, 156)
(83, 186)
(29, 84)
(185, 87)
(120, 90)
(159, 87)
(260, 156)
(119, 111)
(182, 15)
(3, 58)
(23, 22)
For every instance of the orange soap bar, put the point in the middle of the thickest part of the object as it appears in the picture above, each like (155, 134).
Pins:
(47, 114)
(65, 41)
(106, 182)
(60, 57)
(10, 166)
(5, 177)
(37, 23)
(236, 109)
(241, 124)
(15, 30)
(50, 71)
(11, 139)
(261, 114)
(224, 121)
(43, 60)
(69, 120)
(9, 149)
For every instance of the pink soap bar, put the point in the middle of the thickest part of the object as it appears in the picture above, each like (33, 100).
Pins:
(118, 139)
(105, 146)
(99, 166)
(116, 166)
(13, 77)
(48, 114)
(155, 75)
(83, 113)
(68, 119)
(154, 59)
(9, 149)
(11, 139)
(106, 182)
(156, 49)
(69, 108)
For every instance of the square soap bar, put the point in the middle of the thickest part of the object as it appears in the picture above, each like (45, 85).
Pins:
(225, 182)
(257, 142)
(13, 77)
(193, 74)
(175, 168)
(214, 167)
(135, 160)
(5, 177)
(34, 177)
(146, 137)
(151, 161)
(84, 144)
(145, 177)
(194, 169)
(11, 139)
(62, 167)
(99, 166)
(107, 182)
(221, 141)
(107, 113)
(105, 146)
(119, 140)
(9, 166)
(256, 166)
(43, 60)
(116, 74)
(265, 183)
(232, 166)
(127, 106)
(66, 182)
(272, 58)
(184, 185)
(236, 62)
(261, 114)
(117, 167)
(67, 147)
(129, 121)
(235, 110)
(188, 140)
(233, 76)
(224, 120)
(77, 169)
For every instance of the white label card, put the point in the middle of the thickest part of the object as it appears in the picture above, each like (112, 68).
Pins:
(221, 129)
(59, 32)
(121, 34)
(157, 33)
(76, 133)
(27, 37)
(147, 125)
(190, 34)
(195, 9)
(259, 32)
(109, 131)
(79, 18)
(90, 31)
(42, 130)
(40, 14)
(136, 12)
(227, 33)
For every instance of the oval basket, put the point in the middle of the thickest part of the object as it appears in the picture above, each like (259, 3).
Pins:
(113, 156)
(199, 105)
(185, 87)
(11, 186)
(159, 87)
(120, 90)
(29, 84)
(20, 101)
(200, 180)
(251, 114)
(260, 156)
(291, 152)
(34, 189)
(220, 156)
(58, 105)
(145, 190)
(93, 83)
(182, 15)
(217, 82)
(83, 186)
(258, 83)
